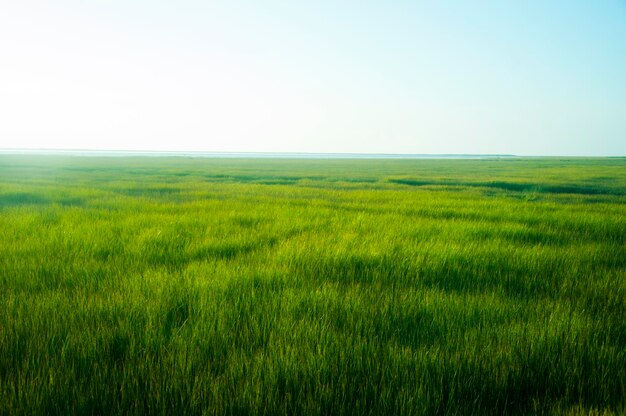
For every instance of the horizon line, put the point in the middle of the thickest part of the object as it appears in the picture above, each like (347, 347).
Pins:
(280, 154)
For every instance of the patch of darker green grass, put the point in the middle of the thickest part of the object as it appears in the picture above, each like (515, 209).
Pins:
(8, 200)
(518, 186)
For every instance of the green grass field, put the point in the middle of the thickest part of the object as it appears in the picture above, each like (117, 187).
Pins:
(168, 286)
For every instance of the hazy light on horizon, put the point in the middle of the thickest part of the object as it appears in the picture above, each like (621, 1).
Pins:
(534, 78)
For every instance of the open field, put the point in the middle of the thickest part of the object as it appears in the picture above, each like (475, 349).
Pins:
(240, 286)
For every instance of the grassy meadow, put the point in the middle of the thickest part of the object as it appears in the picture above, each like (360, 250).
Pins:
(172, 285)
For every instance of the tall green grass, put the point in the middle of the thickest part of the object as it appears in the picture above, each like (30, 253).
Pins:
(233, 286)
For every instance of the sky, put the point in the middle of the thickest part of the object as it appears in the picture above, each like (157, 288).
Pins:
(428, 77)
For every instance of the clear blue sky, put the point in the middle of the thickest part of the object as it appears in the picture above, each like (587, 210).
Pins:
(527, 77)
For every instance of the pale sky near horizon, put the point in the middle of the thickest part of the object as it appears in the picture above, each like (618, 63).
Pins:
(483, 77)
